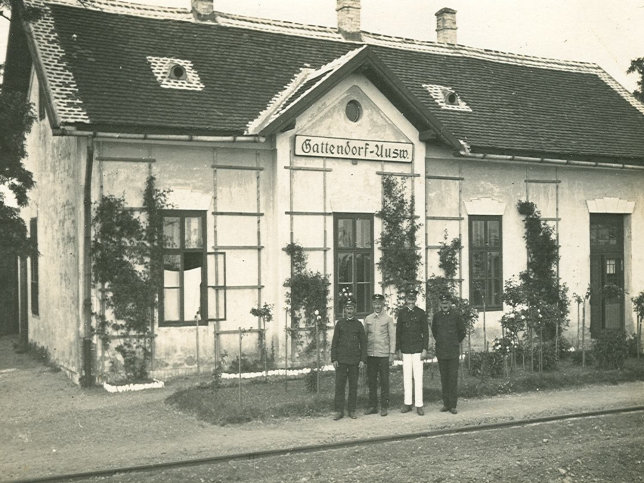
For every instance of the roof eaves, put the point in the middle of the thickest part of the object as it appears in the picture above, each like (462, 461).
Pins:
(53, 71)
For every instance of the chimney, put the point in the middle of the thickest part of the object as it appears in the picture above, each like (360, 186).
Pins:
(349, 19)
(446, 25)
(202, 9)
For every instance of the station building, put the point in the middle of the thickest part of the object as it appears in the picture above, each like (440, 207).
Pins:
(268, 133)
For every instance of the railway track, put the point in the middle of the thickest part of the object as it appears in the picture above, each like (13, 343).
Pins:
(326, 446)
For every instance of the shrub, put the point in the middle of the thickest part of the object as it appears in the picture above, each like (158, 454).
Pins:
(247, 365)
(576, 357)
(549, 356)
(485, 364)
(135, 360)
(311, 381)
(632, 345)
(610, 349)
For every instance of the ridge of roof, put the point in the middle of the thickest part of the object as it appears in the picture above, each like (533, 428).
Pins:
(122, 7)
(324, 32)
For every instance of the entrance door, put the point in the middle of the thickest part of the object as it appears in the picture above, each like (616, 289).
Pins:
(353, 257)
(606, 272)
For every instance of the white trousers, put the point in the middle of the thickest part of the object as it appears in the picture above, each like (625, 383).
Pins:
(413, 369)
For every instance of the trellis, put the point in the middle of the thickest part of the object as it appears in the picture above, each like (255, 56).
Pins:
(222, 249)
(101, 160)
(292, 213)
(556, 219)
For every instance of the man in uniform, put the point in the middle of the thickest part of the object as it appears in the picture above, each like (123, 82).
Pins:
(348, 354)
(448, 331)
(381, 343)
(412, 340)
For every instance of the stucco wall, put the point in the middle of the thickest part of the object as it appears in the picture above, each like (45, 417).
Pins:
(198, 177)
(349, 185)
(505, 183)
(186, 170)
(58, 164)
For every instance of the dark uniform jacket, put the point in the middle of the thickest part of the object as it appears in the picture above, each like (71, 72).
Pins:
(412, 332)
(448, 331)
(349, 345)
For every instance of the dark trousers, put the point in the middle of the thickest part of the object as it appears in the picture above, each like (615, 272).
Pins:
(449, 381)
(342, 373)
(378, 368)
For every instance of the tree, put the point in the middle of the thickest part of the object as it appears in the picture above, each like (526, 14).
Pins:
(637, 65)
(16, 119)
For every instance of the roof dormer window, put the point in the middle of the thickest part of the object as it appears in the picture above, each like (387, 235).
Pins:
(447, 98)
(174, 73)
(177, 72)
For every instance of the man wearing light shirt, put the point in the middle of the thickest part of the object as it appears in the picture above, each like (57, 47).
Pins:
(381, 344)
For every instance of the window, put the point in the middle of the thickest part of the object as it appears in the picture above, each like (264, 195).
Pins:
(353, 240)
(184, 268)
(486, 262)
(33, 231)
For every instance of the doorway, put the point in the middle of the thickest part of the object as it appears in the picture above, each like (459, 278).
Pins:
(606, 273)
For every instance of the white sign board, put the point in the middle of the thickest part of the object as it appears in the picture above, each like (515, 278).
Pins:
(324, 147)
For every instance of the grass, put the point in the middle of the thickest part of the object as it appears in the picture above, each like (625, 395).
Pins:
(273, 399)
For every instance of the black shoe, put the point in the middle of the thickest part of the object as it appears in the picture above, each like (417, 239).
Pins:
(405, 408)
(372, 410)
(453, 411)
(352, 415)
(383, 411)
(338, 415)
(420, 411)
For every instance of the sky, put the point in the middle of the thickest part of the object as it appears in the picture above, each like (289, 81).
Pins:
(608, 33)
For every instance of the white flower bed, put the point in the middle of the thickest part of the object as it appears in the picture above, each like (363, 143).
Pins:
(133, 387)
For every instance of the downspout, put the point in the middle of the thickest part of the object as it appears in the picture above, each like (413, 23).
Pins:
(88, 378)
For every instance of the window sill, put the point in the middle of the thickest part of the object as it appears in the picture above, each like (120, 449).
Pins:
(202, 323)
(490, 309)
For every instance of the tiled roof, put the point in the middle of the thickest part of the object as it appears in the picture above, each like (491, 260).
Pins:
(95, 60)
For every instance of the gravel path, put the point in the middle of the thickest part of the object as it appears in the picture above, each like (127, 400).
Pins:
(50, 426)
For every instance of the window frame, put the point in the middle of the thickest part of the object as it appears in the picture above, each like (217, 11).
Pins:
(203, 293)
(487, 249)
(34, 279)
(354, 250)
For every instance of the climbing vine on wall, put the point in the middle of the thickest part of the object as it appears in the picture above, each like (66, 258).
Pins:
(537, 294)
(445, 284)
(400, 257)
(308, 292)
(127, 265)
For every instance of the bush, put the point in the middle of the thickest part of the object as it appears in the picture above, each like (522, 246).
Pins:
(135, 360)
(485, 364)
(311, 381)
(549, 357)
(632, 345)
(247, 365)
(577, 356)
(610, 349)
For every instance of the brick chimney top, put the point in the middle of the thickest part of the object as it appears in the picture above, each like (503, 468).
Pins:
(349, 19)
(446, 25)
(202, 9)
